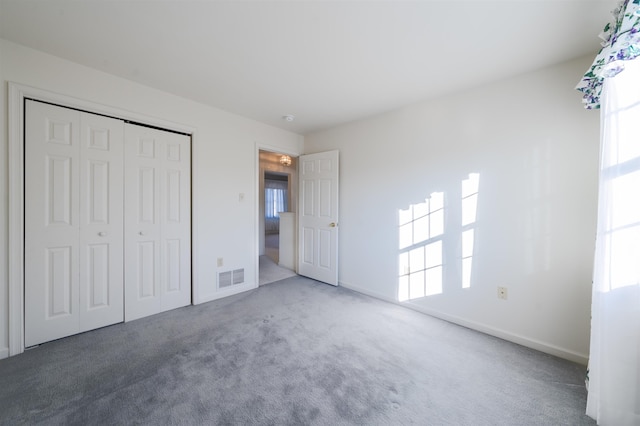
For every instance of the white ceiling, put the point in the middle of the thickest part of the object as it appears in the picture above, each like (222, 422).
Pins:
(326, 62)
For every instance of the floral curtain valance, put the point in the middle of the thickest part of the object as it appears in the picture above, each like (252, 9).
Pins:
(621, 42)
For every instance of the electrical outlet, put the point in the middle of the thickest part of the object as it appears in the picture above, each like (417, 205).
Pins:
(502, 293)
(220, 262)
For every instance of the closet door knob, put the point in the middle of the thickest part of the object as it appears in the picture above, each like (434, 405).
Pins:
(102, 234)
(141, 233)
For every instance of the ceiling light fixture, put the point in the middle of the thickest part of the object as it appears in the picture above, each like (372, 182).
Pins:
(288, 118)
(285, 160)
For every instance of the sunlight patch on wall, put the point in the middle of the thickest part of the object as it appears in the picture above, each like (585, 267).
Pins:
(429, 231)
(470, 189)
(420, 230)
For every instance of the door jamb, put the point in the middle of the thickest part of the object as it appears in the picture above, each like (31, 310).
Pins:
(16, 96)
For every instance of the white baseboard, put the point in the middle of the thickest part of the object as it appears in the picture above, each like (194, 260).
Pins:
(492, 331)
(368, 292)
(230, 291)
(4, 353)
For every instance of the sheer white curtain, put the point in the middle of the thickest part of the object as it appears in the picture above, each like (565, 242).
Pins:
(275, 197)
(614, 364)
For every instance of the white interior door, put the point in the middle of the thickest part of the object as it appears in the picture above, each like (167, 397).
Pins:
(158, 221)
(101, 221)
(89, 260)
(51, 223)
(318, 224)
(73, 222)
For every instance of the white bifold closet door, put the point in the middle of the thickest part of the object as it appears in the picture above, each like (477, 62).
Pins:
(73, 222)
(158, 221)
(107, 221)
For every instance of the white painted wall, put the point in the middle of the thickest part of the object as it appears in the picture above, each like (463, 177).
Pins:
(536, 150)
(225, 162)
(4, 215)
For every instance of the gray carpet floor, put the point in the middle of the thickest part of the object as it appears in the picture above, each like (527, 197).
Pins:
(271, 272)
(272, 247)
(292, 352)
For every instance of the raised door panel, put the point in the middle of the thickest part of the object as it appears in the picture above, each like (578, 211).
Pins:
(324, 249)
(98, 183)
(146, 270)
(325, 203)
(173, 191)
(101, 215)
(146, 183)
(59, 188)
(97, 277)
(307, 198)
(51, 223)
(172, 266)
(58, 282)
(308, 245)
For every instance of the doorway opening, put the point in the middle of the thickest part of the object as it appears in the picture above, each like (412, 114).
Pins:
(276, 201)
(277, 208)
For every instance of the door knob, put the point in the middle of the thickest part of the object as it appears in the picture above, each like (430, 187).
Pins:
(332, 225)
(102, 234)
(141, 233)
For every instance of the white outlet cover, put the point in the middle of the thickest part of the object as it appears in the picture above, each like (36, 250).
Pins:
(503, 293)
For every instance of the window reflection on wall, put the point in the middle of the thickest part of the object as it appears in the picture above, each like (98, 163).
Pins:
(469, 213)
(421, 228)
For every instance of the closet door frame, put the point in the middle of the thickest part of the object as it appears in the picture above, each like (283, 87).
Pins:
(17, 94)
